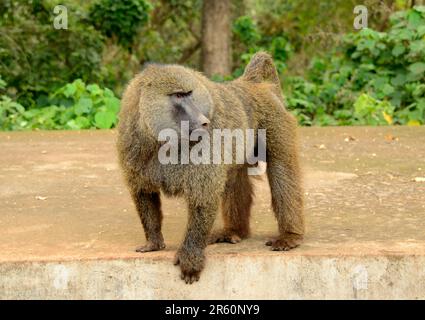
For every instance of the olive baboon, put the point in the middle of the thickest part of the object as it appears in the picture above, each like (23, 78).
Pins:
(162, 96)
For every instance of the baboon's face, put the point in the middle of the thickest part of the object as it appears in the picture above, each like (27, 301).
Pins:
(172, 95)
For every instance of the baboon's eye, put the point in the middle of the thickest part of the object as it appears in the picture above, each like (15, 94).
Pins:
(182, 94)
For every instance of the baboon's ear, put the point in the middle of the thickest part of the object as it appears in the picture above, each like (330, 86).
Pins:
(144, 66)
(148, 64)
(261, 69)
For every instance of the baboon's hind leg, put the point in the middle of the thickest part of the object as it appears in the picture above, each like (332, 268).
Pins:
(284, 176)
(236, 209)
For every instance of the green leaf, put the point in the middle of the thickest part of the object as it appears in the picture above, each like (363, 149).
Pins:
(380, 82)
(70, 89)
(94, 89)
(421, 31)
(398, 50)
(84, 105)
(367, 44)
(396, 99)
(417, 68)
(364, 104)
(421, 105)
(419, 91)
(418, 47)
(405, 34)
(414, 19)
(398, 80)
(112, 104)
(370, 111)
(413, 77)
(388, 89)
(66, 116)
(71, 124)
(82, 122)
(104, 119)
(2, 83)
(108, 93)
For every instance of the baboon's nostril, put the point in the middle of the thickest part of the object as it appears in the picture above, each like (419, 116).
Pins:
(203, 121)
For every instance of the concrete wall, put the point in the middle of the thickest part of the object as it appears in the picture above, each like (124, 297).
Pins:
(230, 277)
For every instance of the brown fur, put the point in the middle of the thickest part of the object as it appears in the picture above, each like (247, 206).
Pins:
(252, 101)
(236, 208)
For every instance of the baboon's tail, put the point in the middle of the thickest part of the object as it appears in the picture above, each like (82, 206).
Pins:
(261, 68)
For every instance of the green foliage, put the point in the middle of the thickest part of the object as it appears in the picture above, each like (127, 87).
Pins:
(35, 58)
(121, 19)
(372, 111)
(10, 114)
(74, 106)
(372, 78)
(310, 26)
(3, 84)
(248, 39)
(106, 42)
(246, 31)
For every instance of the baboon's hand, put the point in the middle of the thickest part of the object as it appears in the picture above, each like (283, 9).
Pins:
(223, 236)
(151, 246)
(285, 242)
(191, 263)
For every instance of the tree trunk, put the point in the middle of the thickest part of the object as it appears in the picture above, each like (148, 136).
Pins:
(216, 37)
(417, 3)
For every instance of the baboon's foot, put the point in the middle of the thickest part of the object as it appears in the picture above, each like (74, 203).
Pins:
(151, 246)
(224, 236)
(285, 242)
(191, 264)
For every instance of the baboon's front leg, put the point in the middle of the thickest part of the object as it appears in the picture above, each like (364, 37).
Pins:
(191, 256)
(148, 206)
(284, 176)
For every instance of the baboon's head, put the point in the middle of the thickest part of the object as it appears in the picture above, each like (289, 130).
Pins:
(171, 94)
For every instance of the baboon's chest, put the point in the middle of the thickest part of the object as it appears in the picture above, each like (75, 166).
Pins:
(185, 179)
(171, 179)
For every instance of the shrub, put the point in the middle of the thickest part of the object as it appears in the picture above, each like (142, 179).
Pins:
(35, 58)
(248, 40)
(74, 106)
(120, 19)
(372, 78)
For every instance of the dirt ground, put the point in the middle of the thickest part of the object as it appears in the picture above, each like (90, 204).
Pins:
(62, 197)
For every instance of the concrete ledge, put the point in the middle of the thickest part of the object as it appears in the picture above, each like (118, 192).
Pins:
(68, 228)
(228, 277)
